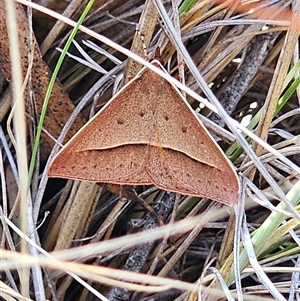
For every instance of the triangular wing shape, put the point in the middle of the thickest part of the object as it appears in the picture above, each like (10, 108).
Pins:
(147, 134)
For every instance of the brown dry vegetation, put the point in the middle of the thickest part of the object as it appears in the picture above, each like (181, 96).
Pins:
(90, 231)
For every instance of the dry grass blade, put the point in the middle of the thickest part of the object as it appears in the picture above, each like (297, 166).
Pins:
(91, 231)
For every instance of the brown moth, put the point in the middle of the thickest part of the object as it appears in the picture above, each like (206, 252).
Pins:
(148, 134)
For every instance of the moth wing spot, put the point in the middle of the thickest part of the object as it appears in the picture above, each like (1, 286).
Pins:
(120, 121)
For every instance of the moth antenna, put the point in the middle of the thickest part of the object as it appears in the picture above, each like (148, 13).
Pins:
(157, 55)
